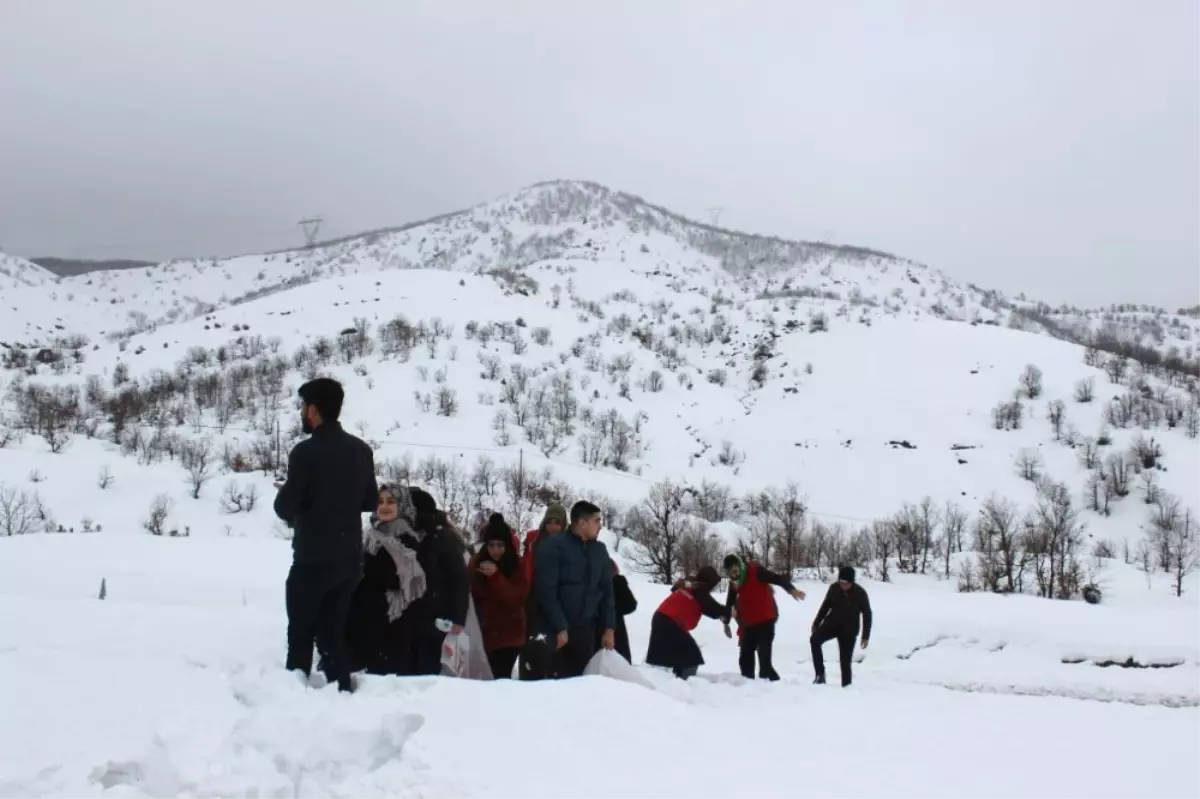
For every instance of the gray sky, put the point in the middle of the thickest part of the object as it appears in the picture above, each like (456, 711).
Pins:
(1045, 147)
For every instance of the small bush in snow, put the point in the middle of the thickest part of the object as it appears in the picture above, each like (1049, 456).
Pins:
(105, 478)
(236, 499)
(160, 509)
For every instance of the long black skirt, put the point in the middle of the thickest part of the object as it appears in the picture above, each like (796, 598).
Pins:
(672, 646)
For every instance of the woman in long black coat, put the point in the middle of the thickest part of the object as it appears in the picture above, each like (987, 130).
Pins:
(414, 584)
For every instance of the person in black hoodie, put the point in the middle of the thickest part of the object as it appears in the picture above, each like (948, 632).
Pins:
(330, 484)
(625, 603)
(442, 608)
(838, 618)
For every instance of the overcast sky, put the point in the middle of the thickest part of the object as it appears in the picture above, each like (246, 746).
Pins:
(1042, 146)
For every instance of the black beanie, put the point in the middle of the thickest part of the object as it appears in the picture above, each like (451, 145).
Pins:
(846, 573)
(497, 529)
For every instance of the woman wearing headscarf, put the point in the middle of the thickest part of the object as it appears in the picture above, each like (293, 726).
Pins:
(379, 637)
(671, 641)
(499, 588)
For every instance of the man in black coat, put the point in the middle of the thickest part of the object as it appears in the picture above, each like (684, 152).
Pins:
(838, 618)
(330, 484)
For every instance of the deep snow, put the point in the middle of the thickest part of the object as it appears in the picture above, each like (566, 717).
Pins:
(173, 686)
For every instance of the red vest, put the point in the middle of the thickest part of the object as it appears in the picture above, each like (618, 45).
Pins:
(755, 600)
(682, 608)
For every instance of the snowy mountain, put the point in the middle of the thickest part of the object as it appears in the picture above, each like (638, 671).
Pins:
(618, 344)
(810, 404)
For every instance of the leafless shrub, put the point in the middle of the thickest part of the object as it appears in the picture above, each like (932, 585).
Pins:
(239, 499)
(160, 510)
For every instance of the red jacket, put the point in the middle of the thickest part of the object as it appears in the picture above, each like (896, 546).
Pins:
(683, 608)
(500, 606)
(755, 599)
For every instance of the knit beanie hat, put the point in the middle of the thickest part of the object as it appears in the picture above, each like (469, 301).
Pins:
(846, 573)
(497, 529)
(555, 512)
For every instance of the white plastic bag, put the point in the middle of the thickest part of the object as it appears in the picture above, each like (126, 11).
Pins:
(609, 663)
(463, 654)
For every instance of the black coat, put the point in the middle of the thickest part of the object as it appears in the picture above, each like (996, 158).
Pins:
(373, 642)
(841, 611)
(447, 583)
(330, 484)
(625, 603)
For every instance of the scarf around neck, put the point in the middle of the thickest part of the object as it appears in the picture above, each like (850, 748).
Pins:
(386, 535)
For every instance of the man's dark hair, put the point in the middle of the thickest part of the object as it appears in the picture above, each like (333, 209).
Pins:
(583, 510)
(326, 395)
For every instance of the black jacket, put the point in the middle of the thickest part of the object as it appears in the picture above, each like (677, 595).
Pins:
(841, 609)
(330, 484)
(624, 602)
(447, 583)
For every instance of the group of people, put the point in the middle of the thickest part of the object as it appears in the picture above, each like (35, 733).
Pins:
(385, 600)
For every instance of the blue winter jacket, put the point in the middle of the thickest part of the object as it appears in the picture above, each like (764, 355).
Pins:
(573, 583)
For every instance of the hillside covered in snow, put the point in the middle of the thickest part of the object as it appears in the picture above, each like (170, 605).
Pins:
(589, 335)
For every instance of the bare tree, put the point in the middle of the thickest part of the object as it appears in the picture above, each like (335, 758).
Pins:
(1184, 549)
(713, 501)
(1085, 390)
(105, 478)
(1056, 522)
(1191, 420)
(160, 509)
(18, 512)
(1116, 474)
(997, 538)
(1029, 465)
(197, 458)
(1089, 452)
(788, 510)
(659, 526)
(952, 534)
(883, 539)
(1116, 366)
(1056, 413)
(1031, 382)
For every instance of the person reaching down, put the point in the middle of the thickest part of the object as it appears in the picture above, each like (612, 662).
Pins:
(751, 596)
(671, 641)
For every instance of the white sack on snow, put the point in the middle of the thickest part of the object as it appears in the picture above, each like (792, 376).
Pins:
(609, 663)
(463, 654)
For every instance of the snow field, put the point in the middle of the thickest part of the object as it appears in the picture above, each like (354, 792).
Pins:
(173, 686)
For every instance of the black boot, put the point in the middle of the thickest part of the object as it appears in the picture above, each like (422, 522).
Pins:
(819, 680)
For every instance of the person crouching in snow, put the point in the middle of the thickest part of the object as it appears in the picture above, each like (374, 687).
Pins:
(751, 595)
(500, 590)
(838, 616)
(671, 641)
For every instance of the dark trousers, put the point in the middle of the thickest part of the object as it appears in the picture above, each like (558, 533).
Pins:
(845, 640)
(581, 646)
(318, 598)
(757, 641)
(502, 662)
